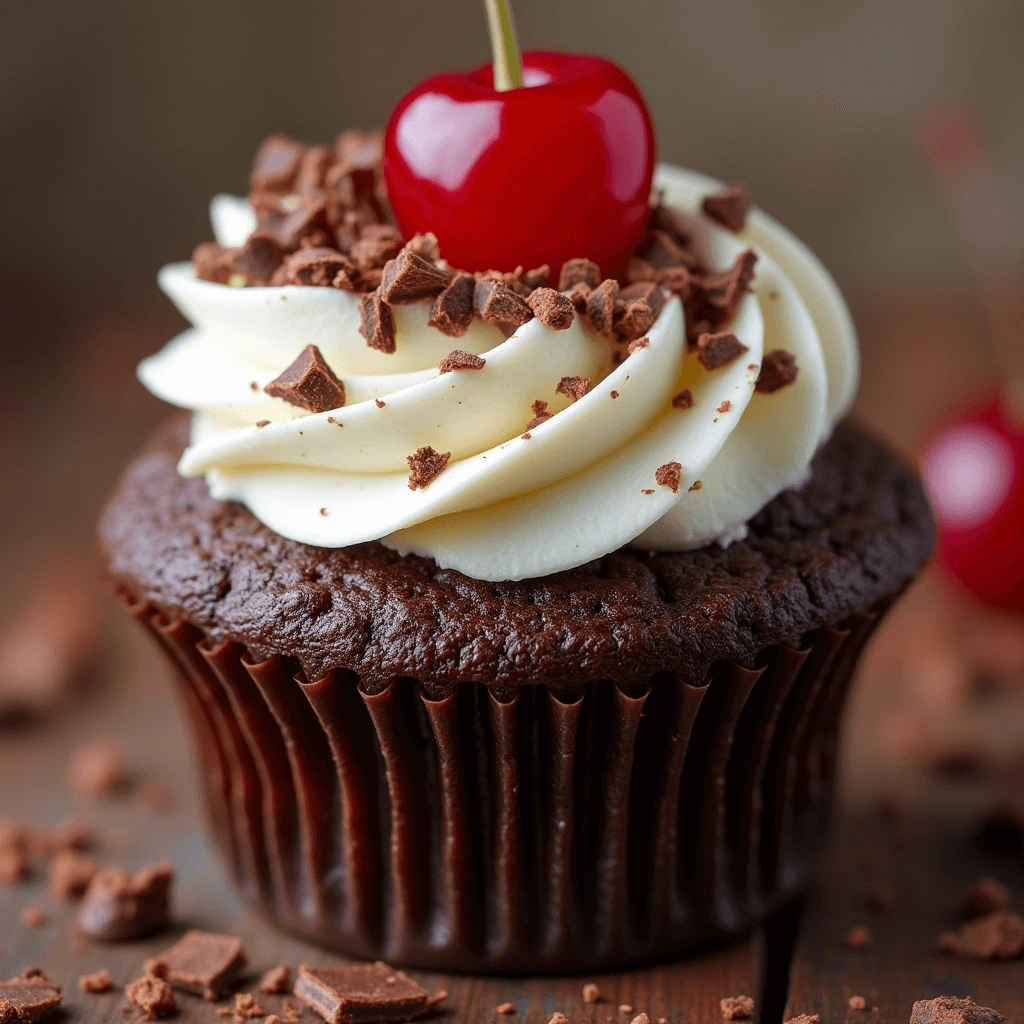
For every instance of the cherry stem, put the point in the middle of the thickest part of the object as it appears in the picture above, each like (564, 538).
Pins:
(508, 67)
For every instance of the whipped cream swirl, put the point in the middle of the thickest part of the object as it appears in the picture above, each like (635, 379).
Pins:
(509, 506)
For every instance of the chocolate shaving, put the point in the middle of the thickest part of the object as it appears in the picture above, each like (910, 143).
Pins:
(540, 414)
(377, 323)
(410, 278)
(601, 306)
(452, 311)
(778, 370)
(309, 383)
(669, 475)
(683, 400)
(579, 271)
(319, 266)
(459, 360)
(637, 308)
(425, 465)
(717, 350)
(361, 992)
(276, 163)
(498, 304)
(552, 309)
(574, 388)
(728, 207)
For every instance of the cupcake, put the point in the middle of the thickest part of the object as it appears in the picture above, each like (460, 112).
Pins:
(514, 609)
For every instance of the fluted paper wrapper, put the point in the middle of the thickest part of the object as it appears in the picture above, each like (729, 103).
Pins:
(459, 828)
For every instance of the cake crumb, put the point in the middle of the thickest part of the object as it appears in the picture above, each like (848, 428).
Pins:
(737, 1007)
(96, 984)
(669, 475)
(641, 1018)
(153, 996)
(245, 1008)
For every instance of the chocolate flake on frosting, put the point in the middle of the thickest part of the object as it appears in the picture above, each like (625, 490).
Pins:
(695, 486)
(637, 308)
(728, 207)
(601, 306)
(638, 343)
(377, 323)
(717, 350)
(578, 295)
(319, 266)
(459, 360)
(498, 304)
(683, 400)
(425, 465)
(410, 278)
(552, 309)
(452, 312)
(725, 406)
(778, 370)
(309, 383)
(670, 475)
(540, 414)
(579, 271)
(574, 388)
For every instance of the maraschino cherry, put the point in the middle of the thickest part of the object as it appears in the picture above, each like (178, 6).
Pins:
(974, 468)
(523, 162)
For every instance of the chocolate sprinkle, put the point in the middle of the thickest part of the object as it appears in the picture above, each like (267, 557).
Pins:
(452, 312)
(683, 400)
(459, 360)
(778, 370)
(728, 207)
(309, 383)
(410, 278)
(552, 309)
(717, 350)
(574, 388)
(669, 475)
(377, 323)
(425, 465)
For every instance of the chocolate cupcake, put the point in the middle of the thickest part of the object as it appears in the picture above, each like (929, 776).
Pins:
(514, 622)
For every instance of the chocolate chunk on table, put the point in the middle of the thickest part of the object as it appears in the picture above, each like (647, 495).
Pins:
(361, 992)
(24, 1001)
(204, 963)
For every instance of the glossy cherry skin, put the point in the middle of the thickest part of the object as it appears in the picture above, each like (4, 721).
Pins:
(557, 169)
(974, 469)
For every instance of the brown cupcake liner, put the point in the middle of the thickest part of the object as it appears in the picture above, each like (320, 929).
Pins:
(455, 827)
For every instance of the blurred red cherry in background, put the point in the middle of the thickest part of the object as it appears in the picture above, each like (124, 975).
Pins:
(558, 168)
(974, 469)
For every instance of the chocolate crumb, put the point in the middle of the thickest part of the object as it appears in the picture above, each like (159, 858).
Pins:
(601, 307)
(724, 406)
(552, 309)
(498, 304)
(641, 1018)
(97, 770)
(579, 271)
(452, 311)
(379, 402)
(637, 344)
(367, 992)
(33, 917)
(574, 388)
(506, 1009)
(262, 423)
(425, 246)
(778, 370)
(717, 350)
(211, 262)
(96, 984)
(277, 980)
(669, 475)
(410, 278)
(995, 936)
(119, 907)
(737, 1007)
(859, 937)
(805, 1018)
(985, 896)
(625, 1008)
(425, 465)
(459, 360)
(70, 874)
(637, 307)
(540, 414)
(695, 486)
(245, 1008)
(683, 400)
(309, 383)
(526, 436)
(558, 1018)
(377, 323)
(857, 1003)
(578, 295)
(647, 490)
(728, 207)
(258, 259)
(591, 993)
(950, 1010)
(614, 394)
(153, 996)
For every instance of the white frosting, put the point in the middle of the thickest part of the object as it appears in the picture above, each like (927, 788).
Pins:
(508, 507)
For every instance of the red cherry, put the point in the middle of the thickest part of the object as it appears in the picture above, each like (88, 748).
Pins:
(974, 468)
(541, 174)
